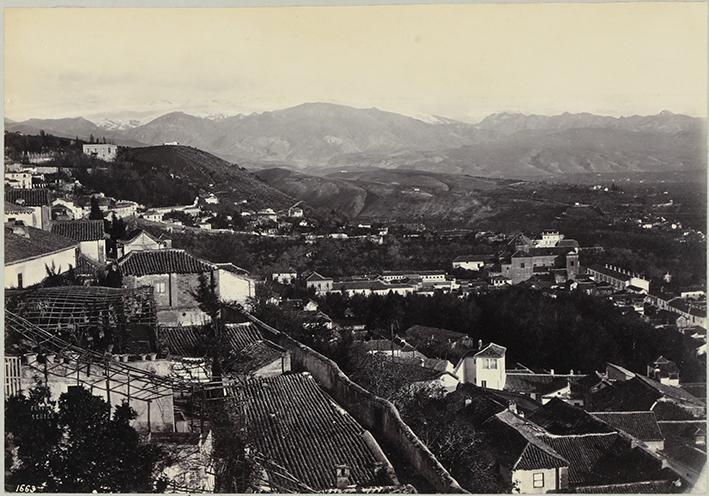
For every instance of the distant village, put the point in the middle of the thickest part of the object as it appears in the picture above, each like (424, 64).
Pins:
(127, 316)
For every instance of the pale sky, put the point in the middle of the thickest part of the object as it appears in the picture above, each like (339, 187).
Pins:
(460, 61)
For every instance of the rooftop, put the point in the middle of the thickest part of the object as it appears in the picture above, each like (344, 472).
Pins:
(164, 261)
(29, 197)
(640, 425)
(492, 350)
(80, 230)
(254, 356)
(294, 423)
(35, 244)
(191, 341)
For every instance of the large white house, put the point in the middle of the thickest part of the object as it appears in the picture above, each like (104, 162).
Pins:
(103, 151)
(30, 252)
(486, 368)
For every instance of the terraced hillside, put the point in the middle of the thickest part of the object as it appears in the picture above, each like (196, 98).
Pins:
(205, 172)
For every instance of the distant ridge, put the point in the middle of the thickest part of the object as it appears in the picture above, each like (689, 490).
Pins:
(314, 136)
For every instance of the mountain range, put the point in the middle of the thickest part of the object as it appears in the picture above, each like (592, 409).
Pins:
(314, 137)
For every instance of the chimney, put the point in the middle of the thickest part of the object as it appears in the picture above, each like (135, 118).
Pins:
(480, 344)
(342, 475)
(552, 372)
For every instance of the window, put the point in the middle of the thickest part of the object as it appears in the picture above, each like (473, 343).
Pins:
(521, 265)
(483, 383)
(572, 263)
(489, 363)
(19, 281)
(538, 479)
(160, 287)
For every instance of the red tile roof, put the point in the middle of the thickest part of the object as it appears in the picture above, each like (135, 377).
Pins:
(190, 341)
(295, 424)
(492, 351)
(166, 261)
(640, 425)
(255, 356)
(37, 244)
(80, 230)
(29, 197)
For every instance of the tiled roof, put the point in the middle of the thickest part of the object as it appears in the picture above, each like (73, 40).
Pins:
(85, 266)
(561, 418)
(604, 459)
(29, 197)
(80, 230)
(643, 487)
(230, 267)
(611, 273)
(381, 345)
(166, 261)
(254, 356)
(39, 243)
(132, 236)
(190, 341)
(640, 425)
(413, 272)
(295, 424)
(13, 208)
(473, 258)
(534, 457)
(492, 351)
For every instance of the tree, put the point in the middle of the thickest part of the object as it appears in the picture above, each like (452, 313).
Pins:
(78, 447)
(96, 213)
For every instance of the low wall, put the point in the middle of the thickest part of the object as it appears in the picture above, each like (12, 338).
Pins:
(375, 414)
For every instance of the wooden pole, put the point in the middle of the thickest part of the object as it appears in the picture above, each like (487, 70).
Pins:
(149, 402)
(128, 387)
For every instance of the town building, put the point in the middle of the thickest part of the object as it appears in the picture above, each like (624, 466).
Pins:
(21, 180)
(39, 200)
(664, 371)
(484, 368)
(527, 262)
(371, 287)
(31, 252)
(19, 213)
(284, 277)
(425, 276)
(295, 212)
(141, 240)
(89, 233)
(76, 210)
(320, 284)
(103, 151)
(174, 276)
(620, 279)
(234, 285)
(471, 262)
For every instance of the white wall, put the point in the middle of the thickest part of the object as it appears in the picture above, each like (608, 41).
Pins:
(523, 481)
(32, 219)
(235, 287)
(95, 250)
(472, 265)
(494, 378)
(34, 271)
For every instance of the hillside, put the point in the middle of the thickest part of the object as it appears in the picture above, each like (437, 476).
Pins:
(316, 136)
(205, 172)
(400, 194)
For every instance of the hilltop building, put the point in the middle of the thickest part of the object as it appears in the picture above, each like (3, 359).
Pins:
(103, 151)
(319, 283)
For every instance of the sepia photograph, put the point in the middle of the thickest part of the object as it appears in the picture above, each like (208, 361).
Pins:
(309, 247)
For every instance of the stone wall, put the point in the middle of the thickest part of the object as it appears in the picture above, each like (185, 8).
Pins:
(375, 414)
